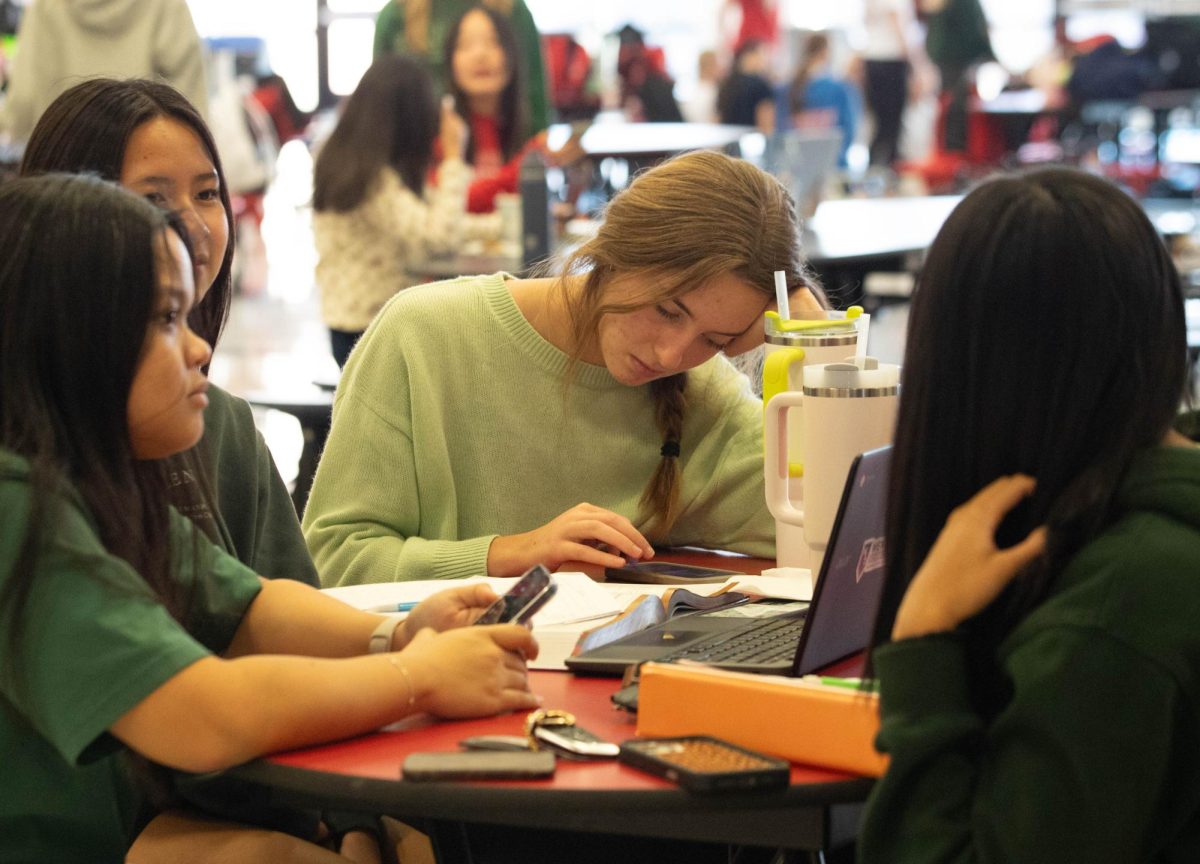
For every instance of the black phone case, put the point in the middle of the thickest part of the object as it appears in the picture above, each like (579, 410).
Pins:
(478, 765)
(699, 763)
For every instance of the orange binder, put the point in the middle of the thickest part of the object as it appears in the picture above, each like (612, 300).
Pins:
(812, 723)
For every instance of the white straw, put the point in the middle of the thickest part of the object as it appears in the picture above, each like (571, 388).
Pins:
(781, 294)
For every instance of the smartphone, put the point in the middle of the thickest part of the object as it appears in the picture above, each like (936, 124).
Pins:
(522, 601)
(700, 763)
(666, 573)
(478, 765)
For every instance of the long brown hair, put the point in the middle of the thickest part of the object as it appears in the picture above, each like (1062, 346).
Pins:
(684, 222)
(86, 130)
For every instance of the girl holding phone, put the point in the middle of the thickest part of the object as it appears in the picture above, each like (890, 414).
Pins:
(1039, 680)
(479, 413)
(125, 631)
(374, 213)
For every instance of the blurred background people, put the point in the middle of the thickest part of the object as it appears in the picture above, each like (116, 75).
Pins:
(956, 40)
(420, 27)
(701, 106)
(886, 68)
(815, 97)
(374, 213)
(746, 97)
(647, 91)
(66, 41)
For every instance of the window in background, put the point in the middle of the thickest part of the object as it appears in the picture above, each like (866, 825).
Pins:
(291, 38)
(351, 42)
(1022, 31)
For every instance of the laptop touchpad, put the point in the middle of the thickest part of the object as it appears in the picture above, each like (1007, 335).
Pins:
(666, 639)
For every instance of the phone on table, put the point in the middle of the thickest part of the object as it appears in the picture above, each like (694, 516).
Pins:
(523, 600)
(700, 763)
(666, 573)
(478, 765)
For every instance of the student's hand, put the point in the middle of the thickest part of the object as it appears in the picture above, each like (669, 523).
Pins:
(568, 154)
(453, 131)
(445, 610)
(471, 671)
(964, 570)
(801, 304)
(574, 536)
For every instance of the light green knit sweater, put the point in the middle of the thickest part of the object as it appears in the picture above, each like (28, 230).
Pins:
(452, 426)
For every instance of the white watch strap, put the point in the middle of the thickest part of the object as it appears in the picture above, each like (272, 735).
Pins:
(381, 638)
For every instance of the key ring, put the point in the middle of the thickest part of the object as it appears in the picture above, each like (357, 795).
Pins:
(545, 717)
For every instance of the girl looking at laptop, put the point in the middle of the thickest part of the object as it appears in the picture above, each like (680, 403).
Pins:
(124, 632)
(1041, 677)
(149, 138)
(477, 414)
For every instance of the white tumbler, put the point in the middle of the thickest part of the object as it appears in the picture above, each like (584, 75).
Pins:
(845, 409)
(791, 345)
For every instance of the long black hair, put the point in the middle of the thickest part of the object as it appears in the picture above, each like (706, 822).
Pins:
(391, 119)
(512, 122)
(78, 286)
(1047, 338)
(87, 128)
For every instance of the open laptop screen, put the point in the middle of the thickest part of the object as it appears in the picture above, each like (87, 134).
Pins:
(846, 596)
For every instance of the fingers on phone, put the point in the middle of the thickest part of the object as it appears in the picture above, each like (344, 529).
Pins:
(623, 536)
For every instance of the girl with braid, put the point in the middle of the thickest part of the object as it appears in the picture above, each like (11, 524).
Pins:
(477, 414)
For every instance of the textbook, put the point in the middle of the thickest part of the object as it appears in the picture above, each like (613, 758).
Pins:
(801, 719)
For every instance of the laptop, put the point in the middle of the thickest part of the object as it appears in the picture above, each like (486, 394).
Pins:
(836, 624)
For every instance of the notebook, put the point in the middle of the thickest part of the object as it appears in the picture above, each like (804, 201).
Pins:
(836, 624)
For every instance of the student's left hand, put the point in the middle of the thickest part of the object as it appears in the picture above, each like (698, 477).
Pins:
(965, 571)
(454, 607)
(801, 304)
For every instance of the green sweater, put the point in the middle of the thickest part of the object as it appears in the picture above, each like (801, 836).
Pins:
(95, 642)
(389, 37)
(256, 519)
(451, 425)
(1095, 756)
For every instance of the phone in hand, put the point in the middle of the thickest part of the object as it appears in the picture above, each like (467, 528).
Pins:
(700, 763)
(523, 600)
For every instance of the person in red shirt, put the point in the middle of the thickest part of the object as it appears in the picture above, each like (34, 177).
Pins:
(485, 80)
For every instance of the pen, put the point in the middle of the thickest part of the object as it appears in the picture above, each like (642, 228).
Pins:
(406, 606)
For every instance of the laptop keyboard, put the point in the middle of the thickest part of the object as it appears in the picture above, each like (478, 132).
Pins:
(773, 641)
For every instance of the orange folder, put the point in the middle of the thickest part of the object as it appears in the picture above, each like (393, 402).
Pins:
(812, 723)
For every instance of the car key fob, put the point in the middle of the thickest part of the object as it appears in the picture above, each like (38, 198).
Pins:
(576, 741)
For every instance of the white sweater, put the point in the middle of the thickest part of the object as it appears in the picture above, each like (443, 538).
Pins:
(364, 254)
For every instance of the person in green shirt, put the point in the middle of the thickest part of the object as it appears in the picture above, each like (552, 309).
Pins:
(148, 137)
(489, 423)
(1038, 656)
(420, 27)
(126, 638)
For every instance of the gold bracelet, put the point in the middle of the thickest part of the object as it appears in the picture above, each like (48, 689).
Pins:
(412, 691)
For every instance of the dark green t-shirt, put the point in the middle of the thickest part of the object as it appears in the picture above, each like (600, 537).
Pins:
(95, 643)
(256, 520)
